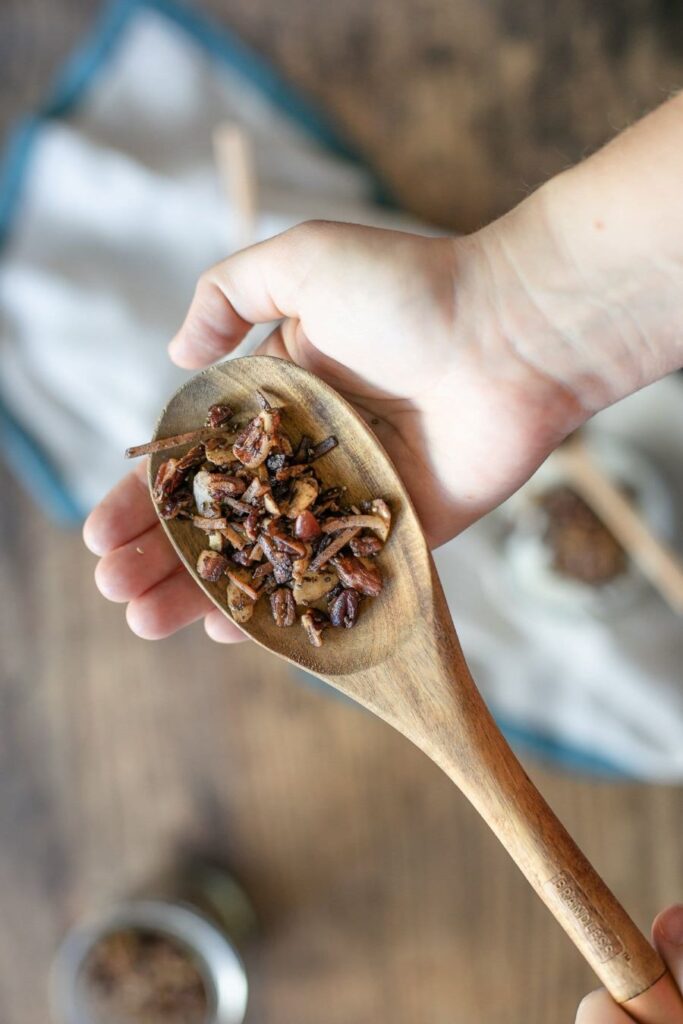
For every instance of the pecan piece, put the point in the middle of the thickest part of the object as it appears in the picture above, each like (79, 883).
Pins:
(221, 486)
(218, 414)
(288, 544)
(353, 573)
(211, 565)
(314, 623)
(177, 504)
(344, 608)
(281, 563)
(283, 607)
(258, 437)
(365, 546)
(171, 473)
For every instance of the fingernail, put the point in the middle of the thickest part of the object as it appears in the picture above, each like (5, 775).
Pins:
(671, 925)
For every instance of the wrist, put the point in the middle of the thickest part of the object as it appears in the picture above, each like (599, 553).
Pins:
(588, 291)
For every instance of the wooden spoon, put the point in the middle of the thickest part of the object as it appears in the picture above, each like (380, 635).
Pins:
(403, 661)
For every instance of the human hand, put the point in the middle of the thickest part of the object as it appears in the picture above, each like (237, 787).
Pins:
(667, 935)
(471, 358)
(404, 327)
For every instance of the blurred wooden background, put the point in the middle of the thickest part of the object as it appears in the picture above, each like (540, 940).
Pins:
(383, 897)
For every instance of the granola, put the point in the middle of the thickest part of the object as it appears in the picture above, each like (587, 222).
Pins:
(271, 526)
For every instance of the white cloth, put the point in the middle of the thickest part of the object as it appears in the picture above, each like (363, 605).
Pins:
(121, 210)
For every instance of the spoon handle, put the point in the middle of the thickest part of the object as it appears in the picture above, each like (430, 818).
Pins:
(469, 747)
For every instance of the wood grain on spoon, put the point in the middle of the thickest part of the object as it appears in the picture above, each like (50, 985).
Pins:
(403, 661)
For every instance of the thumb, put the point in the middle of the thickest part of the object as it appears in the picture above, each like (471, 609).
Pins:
(254, 286)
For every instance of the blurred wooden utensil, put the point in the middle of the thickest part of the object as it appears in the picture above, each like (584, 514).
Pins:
(655, 559)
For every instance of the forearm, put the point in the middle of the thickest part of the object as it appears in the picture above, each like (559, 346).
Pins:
(598, 253)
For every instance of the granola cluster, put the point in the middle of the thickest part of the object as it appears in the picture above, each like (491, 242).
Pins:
(271, 528)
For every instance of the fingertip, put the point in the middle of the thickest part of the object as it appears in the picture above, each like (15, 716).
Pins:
(144, 624)
(107, 582)
(221, 629)
(598, 1007)
(668, 927)
(92, 537)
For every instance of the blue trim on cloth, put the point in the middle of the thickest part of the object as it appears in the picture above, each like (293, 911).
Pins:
(79, 72)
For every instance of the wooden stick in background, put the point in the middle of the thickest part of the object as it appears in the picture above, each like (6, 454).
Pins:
(233, 151)
(656, 560)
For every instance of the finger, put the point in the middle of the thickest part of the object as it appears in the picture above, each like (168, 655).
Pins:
(221, 629)
(667, 933)
(599, 1008)
(169, 606)
(253, 286)
(127, 572)
(124, 514)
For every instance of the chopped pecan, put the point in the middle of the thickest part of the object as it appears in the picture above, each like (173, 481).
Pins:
(241, 557)
(344, 608)
(353, 573)
(281, 563)
(258, 437)
(211, 565)
(314, 623)
(218, 452)
(288, 544)
(269, 524)
(177, 504)
(251, 525)
(270, 503)
(256, 489)
(287, 472)
(366, 545)
(262, 570)
(283, 607)
(218, 414)
(221, 486)
(171, 473)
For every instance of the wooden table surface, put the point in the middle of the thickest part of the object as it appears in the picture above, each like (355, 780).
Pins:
(382, 896)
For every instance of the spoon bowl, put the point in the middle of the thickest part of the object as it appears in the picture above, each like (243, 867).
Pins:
(403, 661)
(309, 406)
